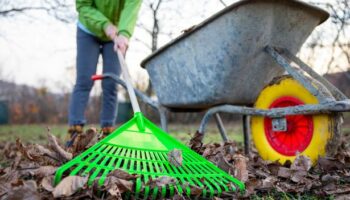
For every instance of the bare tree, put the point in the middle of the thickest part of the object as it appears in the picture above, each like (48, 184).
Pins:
(152, 29)
(334, 37)
(60, 9)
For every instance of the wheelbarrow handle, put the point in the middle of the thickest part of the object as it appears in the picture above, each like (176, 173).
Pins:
(97, 77)
(127, 79)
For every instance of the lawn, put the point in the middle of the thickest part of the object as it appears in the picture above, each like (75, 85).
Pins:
(36, 133)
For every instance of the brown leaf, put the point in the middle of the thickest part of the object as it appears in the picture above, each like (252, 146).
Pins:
(26, 191)
(329, 178)
(342, 197)
(230, 148)
(17, 160)
(196, 142)
(121, 174)
(240, 167)
(222, 163)
(7, 150)
(43, 151)
(47, 183)
(44, 171)
(268, 183)
(83, 140)
(284, 172)
(17, 183)
(195, 190)
(178, 197)
(339, 190)
(175, 157)
(58, 149)
(251, 184)
(161, 181)
(69, 186)
(23, 150)
(301, 162)
(114, 192)
(122, 185)
(93, 137)
(329, 164)
(298, 176)
(274, 168)
(329, 187)
(207, 152)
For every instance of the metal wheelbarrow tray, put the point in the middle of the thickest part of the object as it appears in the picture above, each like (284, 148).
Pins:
(236, 62)
(221, 61)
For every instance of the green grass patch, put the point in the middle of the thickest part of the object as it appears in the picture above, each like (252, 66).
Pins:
(36, 133)
(33, 133)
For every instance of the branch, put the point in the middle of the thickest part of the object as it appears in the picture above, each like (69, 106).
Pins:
(223, 3)
(20, 10)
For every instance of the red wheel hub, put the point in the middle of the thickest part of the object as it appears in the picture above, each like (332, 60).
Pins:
(299, 129)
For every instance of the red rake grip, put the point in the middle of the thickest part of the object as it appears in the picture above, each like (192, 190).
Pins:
(97, 77)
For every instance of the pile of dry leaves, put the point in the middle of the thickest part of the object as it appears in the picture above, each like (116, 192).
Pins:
(27, 171)
(330, 176)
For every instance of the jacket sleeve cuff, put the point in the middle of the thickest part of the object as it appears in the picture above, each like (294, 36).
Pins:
(125, 33)
(104, 26)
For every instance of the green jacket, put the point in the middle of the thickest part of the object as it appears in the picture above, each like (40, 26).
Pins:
(95, 15)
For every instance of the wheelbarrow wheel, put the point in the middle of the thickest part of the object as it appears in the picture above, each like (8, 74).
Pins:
(304, 134)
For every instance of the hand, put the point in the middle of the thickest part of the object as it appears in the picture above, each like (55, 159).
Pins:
(121, 42)
(111, 31)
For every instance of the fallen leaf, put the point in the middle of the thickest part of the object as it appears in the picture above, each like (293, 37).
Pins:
(329, 178)
(44, 171)
(47, 183)
(251, 184)
(69, 186)
(93, 138)
(195, 190)
(269, 182)
(119, 173)
(58, 149)
(161, 181)
(43, 151)
(196, 143)
(223, 164)
(298, 176)
(301, 162)
(329, 164)
(339, 190)
(122, 185)
(284, 172)
(23, 150)
(17, 160)
(115, 192)
(274, 168)
(175, 157)
(82, 140)
(26, 191)
(240, 167)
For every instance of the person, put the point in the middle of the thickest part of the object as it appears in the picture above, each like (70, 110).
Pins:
(103, 27)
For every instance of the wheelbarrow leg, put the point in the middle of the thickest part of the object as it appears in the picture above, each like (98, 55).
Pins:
(246, 134)
(221, 127)
(163, 119)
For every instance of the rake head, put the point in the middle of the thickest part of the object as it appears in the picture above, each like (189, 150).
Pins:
(144, 150)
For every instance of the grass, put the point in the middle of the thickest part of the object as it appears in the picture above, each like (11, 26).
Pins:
(36, 133)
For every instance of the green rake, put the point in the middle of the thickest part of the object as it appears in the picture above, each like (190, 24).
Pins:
(140, 147)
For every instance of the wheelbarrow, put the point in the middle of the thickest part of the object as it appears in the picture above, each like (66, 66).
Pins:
(243, 61)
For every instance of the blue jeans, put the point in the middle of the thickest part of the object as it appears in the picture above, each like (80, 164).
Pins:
(89, 49)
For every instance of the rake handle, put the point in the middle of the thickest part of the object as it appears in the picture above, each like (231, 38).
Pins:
(127, 79)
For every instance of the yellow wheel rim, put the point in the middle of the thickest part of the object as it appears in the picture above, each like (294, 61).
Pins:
(311, 135)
